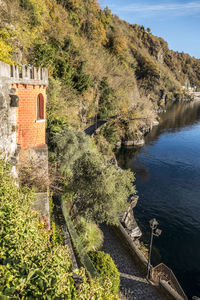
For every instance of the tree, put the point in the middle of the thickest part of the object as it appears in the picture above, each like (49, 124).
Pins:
(149, 30)
(107, 101)
(101, 188)
(69, 146)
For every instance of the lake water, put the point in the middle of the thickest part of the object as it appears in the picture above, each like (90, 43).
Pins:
(167, 173)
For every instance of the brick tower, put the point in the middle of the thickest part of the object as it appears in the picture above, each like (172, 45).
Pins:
(23, 121)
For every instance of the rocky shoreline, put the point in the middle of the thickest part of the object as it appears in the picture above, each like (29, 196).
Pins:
(128, 221)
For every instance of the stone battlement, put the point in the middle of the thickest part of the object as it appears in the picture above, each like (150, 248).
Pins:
(24, 74)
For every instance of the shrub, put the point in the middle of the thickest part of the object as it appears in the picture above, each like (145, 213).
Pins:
(106, 268)
(90, 234)
(112, 132)
(81, 81)
(33, 177)
(30, 268)
(35, 8)
(6, 49)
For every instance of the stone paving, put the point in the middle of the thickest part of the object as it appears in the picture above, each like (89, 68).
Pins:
(133, 283)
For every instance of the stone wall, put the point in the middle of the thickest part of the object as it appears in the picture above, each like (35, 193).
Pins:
(8, 119)
(33, 167)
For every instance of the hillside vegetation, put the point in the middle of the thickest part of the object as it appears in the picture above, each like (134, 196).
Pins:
(99, 65)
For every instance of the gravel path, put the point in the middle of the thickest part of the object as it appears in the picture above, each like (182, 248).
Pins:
(133, 283)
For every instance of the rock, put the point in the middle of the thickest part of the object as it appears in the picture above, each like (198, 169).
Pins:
(128, 143)
(128, 221)
(133, 200)
(118, 144)
(136, 233)
(160, 57)
(155, 123)
(139, 142)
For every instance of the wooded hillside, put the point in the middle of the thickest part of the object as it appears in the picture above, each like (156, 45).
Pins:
(98, 64)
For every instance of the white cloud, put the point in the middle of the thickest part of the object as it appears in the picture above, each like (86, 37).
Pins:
(177, 8)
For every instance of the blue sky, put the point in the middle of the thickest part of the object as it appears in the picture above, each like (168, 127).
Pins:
(178, 22)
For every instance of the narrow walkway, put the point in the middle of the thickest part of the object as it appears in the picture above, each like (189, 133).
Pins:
(92, 128)
(133, 286)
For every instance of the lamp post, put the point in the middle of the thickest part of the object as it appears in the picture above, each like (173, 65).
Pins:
(154, 232)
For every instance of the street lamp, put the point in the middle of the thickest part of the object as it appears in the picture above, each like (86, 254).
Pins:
(154, 231)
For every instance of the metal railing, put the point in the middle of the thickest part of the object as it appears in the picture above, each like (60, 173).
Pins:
(80, 251)
(162, 272)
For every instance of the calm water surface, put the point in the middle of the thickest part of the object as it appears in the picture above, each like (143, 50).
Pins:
(167, 173)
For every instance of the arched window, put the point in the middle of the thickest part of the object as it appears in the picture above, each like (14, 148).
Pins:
(40, 107)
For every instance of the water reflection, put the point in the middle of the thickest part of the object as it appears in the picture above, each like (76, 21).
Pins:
(177, 116)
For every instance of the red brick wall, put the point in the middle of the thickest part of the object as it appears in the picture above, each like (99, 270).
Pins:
(31, 133)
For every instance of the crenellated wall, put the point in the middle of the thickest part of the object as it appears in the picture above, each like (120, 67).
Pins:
(26, 74)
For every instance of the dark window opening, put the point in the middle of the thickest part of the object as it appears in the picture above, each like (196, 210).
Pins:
(31, 73)
(12, 71)
(20, 71)
(41, 74)
(26, 71)
(40, 107)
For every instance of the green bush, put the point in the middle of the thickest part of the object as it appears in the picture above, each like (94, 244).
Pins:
(35, 8)
(81, 81)
(111, 131)
(6, 48)
(30, 268)
(90, 235)
(106, 268)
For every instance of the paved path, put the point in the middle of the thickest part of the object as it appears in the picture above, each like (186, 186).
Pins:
(133, 284)
(92, 128)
